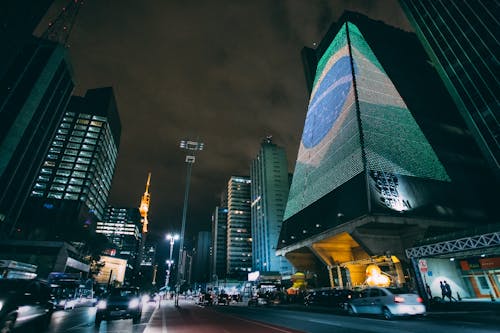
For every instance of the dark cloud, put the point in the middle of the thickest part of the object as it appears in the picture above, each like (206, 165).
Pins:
(228, 72)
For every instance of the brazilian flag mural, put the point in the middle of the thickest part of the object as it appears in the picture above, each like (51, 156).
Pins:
(357, 121)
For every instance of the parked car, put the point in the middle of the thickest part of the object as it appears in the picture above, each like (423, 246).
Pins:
(333, 298)
(24, 302)
(389, 302)
(120, 303)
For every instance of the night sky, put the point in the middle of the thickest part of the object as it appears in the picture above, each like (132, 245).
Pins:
(226, 72)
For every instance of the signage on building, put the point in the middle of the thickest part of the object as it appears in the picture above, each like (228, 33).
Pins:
(422, 265)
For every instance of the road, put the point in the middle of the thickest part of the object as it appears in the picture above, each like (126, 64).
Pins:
(192, 318)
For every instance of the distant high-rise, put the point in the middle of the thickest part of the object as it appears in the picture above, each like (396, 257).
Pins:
(239, 237)
(34, 94)
(73, 184)
(218, 266)
(269, 194)
(122, 226)
(461, 38)
(201, 267)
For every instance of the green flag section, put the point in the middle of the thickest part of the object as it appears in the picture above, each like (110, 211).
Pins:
(337, 133)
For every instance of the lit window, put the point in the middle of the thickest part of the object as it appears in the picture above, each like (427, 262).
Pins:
(63, 173)
(71, 196)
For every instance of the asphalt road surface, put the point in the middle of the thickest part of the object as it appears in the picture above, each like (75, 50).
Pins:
(192, 318)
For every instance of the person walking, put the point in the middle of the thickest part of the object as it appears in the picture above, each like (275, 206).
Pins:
(443, 290)
(448, 293)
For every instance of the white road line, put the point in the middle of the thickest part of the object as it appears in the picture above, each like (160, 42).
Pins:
(327, 322)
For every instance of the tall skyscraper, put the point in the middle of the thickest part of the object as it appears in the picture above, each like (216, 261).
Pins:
(201, 267)
(269, 194)
(34, 94)
(218, 267)
(73, 184)
(239, 236)
(122, 226)
(461, 38)
(368, 179)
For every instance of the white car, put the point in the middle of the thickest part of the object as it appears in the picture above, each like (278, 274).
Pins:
(388, 302)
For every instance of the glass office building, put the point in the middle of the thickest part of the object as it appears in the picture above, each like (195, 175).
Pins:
(75, 179)
(461, 38)
(239, 236)
(34, 93)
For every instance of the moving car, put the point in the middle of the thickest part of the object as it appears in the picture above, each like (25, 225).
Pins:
(120, 303)
(24, 302)
(388, 302)
(223, 299)
(333, 298)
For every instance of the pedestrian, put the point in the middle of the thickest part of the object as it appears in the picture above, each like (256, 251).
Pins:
(428, 289)
(448, 293)
(443, 290)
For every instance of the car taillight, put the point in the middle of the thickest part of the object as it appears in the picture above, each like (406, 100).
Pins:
(420, 300)
(399, 299)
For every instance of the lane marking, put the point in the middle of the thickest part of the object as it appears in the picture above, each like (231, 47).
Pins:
(326, 322)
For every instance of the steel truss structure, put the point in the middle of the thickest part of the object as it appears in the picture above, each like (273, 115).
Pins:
(467, 243)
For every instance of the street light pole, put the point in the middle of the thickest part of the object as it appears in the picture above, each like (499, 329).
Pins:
(172, 239)
(193, 147)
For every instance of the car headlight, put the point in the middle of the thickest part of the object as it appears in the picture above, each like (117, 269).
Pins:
(133, 303)
(101, 305)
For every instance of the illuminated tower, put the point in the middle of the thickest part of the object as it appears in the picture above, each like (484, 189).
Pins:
(144, 207)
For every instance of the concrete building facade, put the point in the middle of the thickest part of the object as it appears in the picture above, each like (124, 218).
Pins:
(269, 194)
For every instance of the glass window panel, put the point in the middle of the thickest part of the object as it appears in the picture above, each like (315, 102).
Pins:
(83, 160)
(76, 181)
(56, 187)
(63, 173)
(78, 133)
(66, 165)
(71, 196)
(81, 127)
(68, 158)
(55, 195)
(81, 167)
(72, 188)
(82, 121)
(76, 139)
(90, 141)
(61, 180)
(74, 145)
(79, 174)
(85, 153)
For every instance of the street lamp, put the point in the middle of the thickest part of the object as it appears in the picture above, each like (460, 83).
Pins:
(192, 147)
(172, 239)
